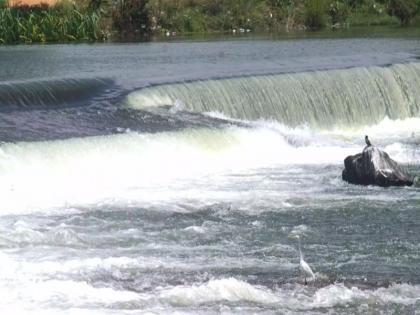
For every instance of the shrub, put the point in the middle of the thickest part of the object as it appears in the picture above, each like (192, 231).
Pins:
(404, 10)
(190, 20)
(338, 12)
(314, 14)
(130, 16)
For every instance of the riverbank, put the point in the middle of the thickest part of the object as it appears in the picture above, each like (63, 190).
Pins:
(133, 20)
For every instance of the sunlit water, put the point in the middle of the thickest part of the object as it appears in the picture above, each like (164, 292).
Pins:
(122, 197)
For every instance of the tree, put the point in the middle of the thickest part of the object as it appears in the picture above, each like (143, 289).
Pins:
(404, 10)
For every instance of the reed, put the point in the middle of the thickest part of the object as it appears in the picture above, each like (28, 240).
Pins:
(41, 23)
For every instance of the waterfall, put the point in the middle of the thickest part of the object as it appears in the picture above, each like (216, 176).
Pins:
(323, 99)
(50, 93)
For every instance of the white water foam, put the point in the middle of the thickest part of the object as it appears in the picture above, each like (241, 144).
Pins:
(296, 297)
(229, 289)
(403, 131)
(85, 171)
(55, 293)
(195, 229)
(40, 287)
(29, 286)
(399, 138)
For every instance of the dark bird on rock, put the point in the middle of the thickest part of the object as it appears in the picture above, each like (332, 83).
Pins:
(368, 141)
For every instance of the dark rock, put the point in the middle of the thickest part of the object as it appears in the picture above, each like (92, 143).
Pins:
(416, 181)
(374, 167)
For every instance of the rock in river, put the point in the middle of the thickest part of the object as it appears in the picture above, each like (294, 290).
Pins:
(416, 181)
(374, 167)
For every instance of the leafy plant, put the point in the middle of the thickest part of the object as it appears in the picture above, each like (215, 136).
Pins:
(131, 16)
(25, 24)
(338, 12)
(404, 10)
(314, 14)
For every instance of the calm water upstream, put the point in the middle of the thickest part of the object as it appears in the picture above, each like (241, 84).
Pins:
(162, 178)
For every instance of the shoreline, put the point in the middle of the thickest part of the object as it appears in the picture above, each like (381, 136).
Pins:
(381, 31)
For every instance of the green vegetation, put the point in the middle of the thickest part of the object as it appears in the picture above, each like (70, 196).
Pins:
(89, 20)
(207, 16)
(404, 10)
(60, 23)
(338, 12)
(315, 14)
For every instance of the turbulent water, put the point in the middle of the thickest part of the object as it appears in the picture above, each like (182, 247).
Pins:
(167, 178)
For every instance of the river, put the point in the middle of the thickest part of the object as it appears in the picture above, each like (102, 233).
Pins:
(173, 177)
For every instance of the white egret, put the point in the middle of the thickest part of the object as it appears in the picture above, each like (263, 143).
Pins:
(304, 267)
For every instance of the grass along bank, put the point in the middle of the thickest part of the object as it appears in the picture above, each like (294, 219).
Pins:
(61, 22)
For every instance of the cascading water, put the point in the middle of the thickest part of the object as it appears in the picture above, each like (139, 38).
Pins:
(325, 99)
(51, 93)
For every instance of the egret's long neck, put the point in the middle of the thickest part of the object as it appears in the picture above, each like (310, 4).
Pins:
(300, 251)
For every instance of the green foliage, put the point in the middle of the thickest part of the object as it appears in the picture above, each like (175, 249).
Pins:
(404, 10)
(215, 15)
(246, 14)
(72, 20)
(371, 13)
(130, 16)
(372, 7)
(190, 20)
(314, 14)
(361, 19)
(338, 12)
(26, 24)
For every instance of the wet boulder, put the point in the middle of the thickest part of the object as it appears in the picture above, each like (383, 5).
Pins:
(417, 181)
(374, 167)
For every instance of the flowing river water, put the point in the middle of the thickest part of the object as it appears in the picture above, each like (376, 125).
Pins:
(173, 178)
